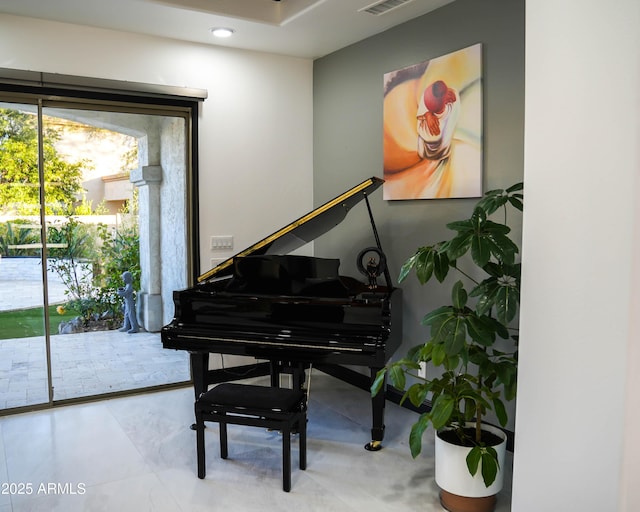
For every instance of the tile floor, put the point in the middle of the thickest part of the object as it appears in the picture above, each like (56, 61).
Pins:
(137, 453)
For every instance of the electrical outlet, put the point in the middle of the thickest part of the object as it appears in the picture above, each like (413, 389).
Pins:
(223, 243)
(422, 372)
(216, 261)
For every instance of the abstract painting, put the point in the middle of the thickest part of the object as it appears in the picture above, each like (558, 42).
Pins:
(432, 128)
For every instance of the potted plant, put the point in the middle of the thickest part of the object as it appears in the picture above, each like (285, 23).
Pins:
(472, 348)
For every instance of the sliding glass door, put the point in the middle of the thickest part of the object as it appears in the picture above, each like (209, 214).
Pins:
(93, 201)
(24, 378)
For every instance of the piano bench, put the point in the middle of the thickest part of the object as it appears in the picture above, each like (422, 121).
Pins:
(259, 406)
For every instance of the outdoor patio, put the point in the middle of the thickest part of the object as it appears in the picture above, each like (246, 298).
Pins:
(83, 364)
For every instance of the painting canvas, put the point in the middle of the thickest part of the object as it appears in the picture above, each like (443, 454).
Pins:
(432, 126)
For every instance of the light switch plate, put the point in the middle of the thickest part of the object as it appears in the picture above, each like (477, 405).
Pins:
(224, 242)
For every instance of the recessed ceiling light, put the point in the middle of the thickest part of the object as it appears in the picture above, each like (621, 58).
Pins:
(222, 31)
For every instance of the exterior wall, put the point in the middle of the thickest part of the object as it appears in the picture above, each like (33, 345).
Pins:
(173, 208)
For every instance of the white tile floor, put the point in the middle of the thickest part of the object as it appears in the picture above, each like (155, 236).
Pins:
(138, 454)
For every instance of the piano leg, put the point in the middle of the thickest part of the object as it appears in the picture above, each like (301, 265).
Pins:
(377, 409)
(199, 370)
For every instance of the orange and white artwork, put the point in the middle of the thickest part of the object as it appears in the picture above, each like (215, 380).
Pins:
(432, 128)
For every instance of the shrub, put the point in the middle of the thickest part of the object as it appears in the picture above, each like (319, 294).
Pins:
(19, 232)
(119, 252)
(72, 250)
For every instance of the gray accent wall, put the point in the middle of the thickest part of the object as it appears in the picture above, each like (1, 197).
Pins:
(348, 133)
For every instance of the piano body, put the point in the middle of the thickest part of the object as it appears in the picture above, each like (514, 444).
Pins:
(292, 310)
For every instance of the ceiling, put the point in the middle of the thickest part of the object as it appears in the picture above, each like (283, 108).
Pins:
(299, 28)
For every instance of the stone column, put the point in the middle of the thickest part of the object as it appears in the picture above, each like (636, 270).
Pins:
(149, 306)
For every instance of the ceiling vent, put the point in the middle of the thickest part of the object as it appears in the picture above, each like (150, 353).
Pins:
(383, 7)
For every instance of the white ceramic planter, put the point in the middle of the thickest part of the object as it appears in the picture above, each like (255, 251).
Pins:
(452, 474)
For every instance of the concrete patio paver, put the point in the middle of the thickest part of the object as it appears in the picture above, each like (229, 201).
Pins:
(82, 364)
(85, 364)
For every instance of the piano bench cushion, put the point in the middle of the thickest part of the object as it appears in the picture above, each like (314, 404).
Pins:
(254, 397)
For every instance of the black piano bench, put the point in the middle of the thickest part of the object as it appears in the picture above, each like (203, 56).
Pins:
(259, 406)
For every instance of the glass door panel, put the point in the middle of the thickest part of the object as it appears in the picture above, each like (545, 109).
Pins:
(109, 172)
(24, 379)
(80, 218)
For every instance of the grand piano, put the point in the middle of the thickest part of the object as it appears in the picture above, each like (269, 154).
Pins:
(293, 311)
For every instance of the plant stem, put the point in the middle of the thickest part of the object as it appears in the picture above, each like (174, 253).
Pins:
(465, 274)
(479, 415)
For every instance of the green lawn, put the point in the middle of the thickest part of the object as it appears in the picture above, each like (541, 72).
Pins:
(24, 323)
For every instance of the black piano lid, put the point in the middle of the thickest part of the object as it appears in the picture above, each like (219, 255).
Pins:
(303, 230)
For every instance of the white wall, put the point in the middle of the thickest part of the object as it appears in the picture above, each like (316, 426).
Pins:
(255, 128)
(579, 231)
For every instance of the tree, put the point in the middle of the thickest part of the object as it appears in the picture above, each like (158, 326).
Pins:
(19, 179)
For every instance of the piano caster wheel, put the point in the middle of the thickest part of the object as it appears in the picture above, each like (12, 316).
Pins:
(373, 446)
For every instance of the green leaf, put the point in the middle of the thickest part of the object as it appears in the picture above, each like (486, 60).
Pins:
(490, 465)
(478, 219)
(451, 362)
(453, 335)
(459, 295)
(418, 393)
(458, 246)
(494, 269)
(510, 390)
(506, 301)
(441, 410)
(397, 376)
(480, 331)
(414, 352)
(506, 371)
(516, 203)
(486, 293)
(438, 354)
(469, 409)
(473, 459)
(407, 266)
(501, 411)
(461, 225)
(480, 250)
(423, 353)
(440, 265)
(415, 436)
(424, 265)
(494, 228)
(437, 316)
(500, 329)
(501, 246)
(478, 356)
(378, 381)
(487, 459)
